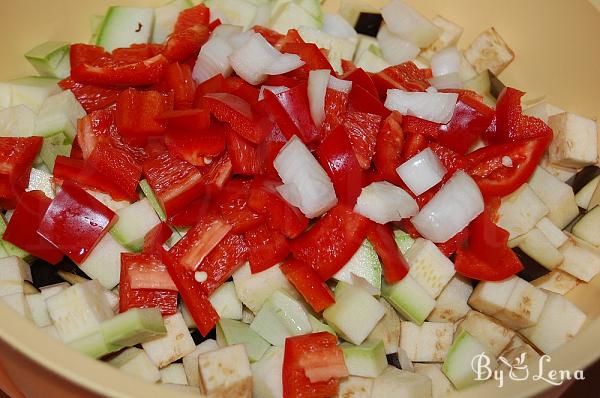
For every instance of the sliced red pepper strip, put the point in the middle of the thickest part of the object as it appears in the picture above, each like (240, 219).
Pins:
(16, 159)
(313, 58)
(291, 111)
(245, 157)
(361, 100)
(388, 148)
(270, 35)
(197, 15)
(336, 104)
(281, 216)
(156, 237)
(232, 203)
(303, 354)
(511, 124)
(395, 267)
(164, 300)
(92, 65)
(184, 44)
(235, 111)
(415, 125)
(223, 261)
(178, 79)
(267, 248)
(362, 129)
(193, 294)
(189, 120)
(332, 241)
(306, 280)
(406, 76)
(453, 244)
(198, 147)
(21, 230)
(75, 222)
(338, 159)
(175, 182)
(415, 143)
(217, 173)
(359, 77)
(494, 178)
(137, 113)
(91, 97)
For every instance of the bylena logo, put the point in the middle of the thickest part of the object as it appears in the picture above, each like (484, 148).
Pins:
(520, 369)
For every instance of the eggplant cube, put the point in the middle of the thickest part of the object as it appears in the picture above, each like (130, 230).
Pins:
(356, 387)
(543, 111)
(451, 33)
(559, 322)
(136, 362)
(491, 297)
(556, 195)
(489, 51)
(18, 302)
(440, 385)
(537, 246)
(429, 342)
(176, 344)
(521, 211)
(429, 267)
(575, 141)
(190, 361)
(556, 281)
(523, 307)
(225, 373)
(489, 332)
(451, 305)
(582, 260)
(13, 273)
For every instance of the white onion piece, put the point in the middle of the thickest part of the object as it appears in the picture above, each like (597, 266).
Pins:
(234, 102)
(435, 107)
(239, 40)
(445, 61)
(274, 89)
(284, 63)
(251, 60)
(394, 48)
(336, 25)
(318, 80)
(451, 80)
(226, 31)
(344, 86)
(383, 202)
(422, 172)
(408, 23)
(213, 59)
(305, 184)
(457, 204)
(361, 282)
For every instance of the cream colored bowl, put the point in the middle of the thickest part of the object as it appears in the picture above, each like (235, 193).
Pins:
(558, 55)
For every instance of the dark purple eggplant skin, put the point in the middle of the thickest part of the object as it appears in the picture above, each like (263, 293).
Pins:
(45, 274)
(531, 268)
(393, 360)
(368, 24)
(582, 178)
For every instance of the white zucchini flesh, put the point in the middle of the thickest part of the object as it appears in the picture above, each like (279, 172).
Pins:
(225, 372)
(190, 361)
(489, 332)
(177, 343)
(428, 342)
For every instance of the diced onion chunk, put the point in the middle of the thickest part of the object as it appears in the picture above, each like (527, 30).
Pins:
(422, 172)
(435, 107)
(383, 202)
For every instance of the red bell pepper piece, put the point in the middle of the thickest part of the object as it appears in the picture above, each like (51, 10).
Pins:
(223, 261)
(164, 300)
(175, 182)
(451, 160)
(188, 120)
(361, 100)
(137, 113)
(136, 53)
(470, 120)
(312, 56)
(193, 248)
(197, 147)
(388, 148)
(270, 35)
(117, 166)
(16, 158)
(193, 294)
(395, 267)
(511, 124)
(184, 44)
(238, 86)
(292, 36)
(361, 78)
(269, 149)
(348, 66)
(336, 104)
(486, 166)
(91, 97)
(76, 152)
(487, 256)
(197, 15)
(92, 65)
(76, 170)
(156, 237)
(362, 129)
(415, 143)
(332, 241)
(178, 79)
(232, 203)
(267, 248)
(21, 230)
(97, 126)
(245, 157)
(415, 125)
(281, 80)
(406, 76)
(453, 244)
(306, 280)
(316, 355)
(75, 222)
(235, 111)
(338, 159)
(195, 212)
(281, 216)
(291, 111)
(217, 173)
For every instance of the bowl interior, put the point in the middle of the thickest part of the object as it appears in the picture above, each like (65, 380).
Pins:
(557, 57)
